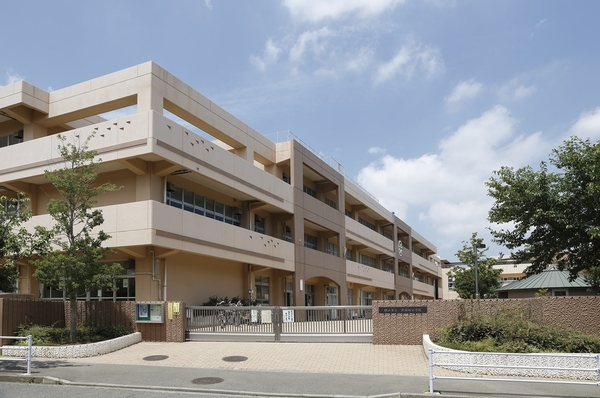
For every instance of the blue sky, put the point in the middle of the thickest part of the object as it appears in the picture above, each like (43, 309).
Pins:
(418, 100)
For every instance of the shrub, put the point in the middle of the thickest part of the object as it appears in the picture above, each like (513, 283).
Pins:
(53, 336)
(514, 332)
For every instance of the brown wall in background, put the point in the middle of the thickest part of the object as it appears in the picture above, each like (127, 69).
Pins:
(581, 313)
(15, 312)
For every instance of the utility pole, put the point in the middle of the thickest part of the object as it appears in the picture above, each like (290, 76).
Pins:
(475, 255)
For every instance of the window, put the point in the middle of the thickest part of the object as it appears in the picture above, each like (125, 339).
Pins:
(286, 178)
(259, 224)
(310, 241)
(403, 270)
(174, 196)
(366, 223)
(348, 213)
(261, 284)
(366, 298)
(195, 203)
(11, 139)
(367, 260)
(348, 254)
(330, 203)
(287, 233)
(561, 293)
(308, 190)
(332, 249)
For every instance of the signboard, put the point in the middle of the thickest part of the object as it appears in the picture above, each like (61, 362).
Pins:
(149, 312)
(402, 310)
(288, 315)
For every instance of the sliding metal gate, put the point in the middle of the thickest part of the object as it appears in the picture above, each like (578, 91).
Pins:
(297, 324)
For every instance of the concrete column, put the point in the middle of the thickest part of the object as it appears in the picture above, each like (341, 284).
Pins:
(32, 131)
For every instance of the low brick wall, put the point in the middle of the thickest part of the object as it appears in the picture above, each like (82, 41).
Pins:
(578, 312)
(533, 362)
(77, 350)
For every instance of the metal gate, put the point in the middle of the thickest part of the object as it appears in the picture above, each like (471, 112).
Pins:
(291, 324)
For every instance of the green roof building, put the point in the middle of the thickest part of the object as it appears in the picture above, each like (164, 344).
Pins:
(557, 282)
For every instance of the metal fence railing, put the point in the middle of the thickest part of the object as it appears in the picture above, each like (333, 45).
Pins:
(278, 321)
(511, 363)
(26, 348)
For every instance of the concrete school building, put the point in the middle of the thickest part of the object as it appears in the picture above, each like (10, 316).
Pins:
(213, 209)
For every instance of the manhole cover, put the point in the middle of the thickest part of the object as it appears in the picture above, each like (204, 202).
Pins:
(235, 359)
(155, 358)
(207, 380)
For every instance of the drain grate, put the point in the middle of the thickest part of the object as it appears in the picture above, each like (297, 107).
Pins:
(235, 359)
(155, 358)
(207, 380)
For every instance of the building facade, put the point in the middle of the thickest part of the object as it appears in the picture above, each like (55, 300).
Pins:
(511, 271)
(209, 206)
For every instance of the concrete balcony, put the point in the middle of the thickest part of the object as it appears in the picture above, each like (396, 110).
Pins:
(423, 289)
(368, 237)
(151, 137)
(363, 274)
(426, 265)
(152, 223)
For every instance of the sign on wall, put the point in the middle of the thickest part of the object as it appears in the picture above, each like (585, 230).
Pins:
(149, 312)
(402, 310)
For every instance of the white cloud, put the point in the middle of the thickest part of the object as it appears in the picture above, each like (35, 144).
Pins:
(514, 90)
(12, 77)
(587, 126)
(376, 150)
(463, 91)
(270, 55)
(317, 10)
(314, 42)
(447, 188)
(360, 60)
(208, 4)
(412, 58)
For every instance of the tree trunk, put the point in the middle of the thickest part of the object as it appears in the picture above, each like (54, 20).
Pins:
(73, 319)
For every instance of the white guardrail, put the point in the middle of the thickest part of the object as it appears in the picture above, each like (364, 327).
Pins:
(25, 348)
(456, 364)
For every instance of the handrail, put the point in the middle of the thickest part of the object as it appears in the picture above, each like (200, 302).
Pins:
(462, 365)
(28, 348)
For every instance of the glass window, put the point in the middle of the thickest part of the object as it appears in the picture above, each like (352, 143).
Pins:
(366, 223)
(367, 260)
(330, 203)
(210, 208)
(332, 249)
(259, 224)
(174, 196)
(199, 204)
(219, 211)
(188, 200)
(310, 241)
(261, 284)
(308, 190)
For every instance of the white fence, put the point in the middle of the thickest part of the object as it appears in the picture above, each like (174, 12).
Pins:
(26, 348)
(534, 368)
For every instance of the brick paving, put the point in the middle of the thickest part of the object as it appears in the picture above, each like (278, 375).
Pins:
(343, 358)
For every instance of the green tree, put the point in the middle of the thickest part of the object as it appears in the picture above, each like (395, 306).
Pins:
(551, 217)
(15, 240)
(74, 263)
(487, 275)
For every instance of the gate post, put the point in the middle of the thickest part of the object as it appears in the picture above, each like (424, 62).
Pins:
(277, 320)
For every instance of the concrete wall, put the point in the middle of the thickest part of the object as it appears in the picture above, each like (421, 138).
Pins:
(581, 313)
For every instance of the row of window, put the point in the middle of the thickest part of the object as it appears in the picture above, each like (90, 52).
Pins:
(202, 205)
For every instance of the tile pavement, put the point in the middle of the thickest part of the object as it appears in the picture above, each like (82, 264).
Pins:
(342, 358)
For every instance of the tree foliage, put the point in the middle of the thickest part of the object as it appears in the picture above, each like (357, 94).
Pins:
(464, 278)
(74, 262)
(15, 240)
(551, 217)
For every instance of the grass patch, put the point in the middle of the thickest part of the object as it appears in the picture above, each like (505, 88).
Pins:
(53, 336)
(514, 332)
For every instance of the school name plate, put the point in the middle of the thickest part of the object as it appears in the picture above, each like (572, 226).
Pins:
(402, 310)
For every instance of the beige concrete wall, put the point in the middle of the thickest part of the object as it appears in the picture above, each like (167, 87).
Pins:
(193, 279)
(581, 313)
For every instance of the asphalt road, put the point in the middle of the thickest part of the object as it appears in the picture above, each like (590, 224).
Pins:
(21, 390)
